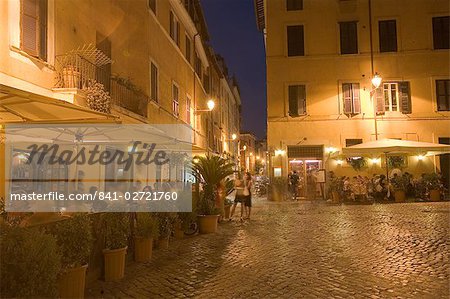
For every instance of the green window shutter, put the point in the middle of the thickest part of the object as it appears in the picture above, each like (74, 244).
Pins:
(405, 97)
(29, 27)
(355, 98)
(293, 100)
(347, 93)
(379, 100)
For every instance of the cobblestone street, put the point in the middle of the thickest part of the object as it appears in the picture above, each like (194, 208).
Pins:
(310, 250)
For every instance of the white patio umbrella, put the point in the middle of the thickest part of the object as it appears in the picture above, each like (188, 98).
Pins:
(395, 146)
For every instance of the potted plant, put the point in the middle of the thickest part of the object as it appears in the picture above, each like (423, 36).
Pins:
(74, 238)
(165, 229)
(399, 184)
(336, 189)
(228, 203)
(117, 229)
(278, 189)
(433, 186)
(358, 163)
(30, 264)
(146, 231)
(210, 171)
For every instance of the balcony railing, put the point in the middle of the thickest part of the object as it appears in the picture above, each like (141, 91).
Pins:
(126, 95)
(75, 71)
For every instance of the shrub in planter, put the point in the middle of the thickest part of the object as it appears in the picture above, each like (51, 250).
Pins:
(146, 232)
(166, 223)
(400, 184)
(30, 264)
(337, 189)
(117, 230)
(433, 186)
(75, 240)
(278, 188)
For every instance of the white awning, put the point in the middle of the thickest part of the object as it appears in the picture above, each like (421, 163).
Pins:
(394, 146)
(18, 106)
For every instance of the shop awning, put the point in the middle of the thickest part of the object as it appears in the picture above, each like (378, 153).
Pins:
(395, 146)
(18, 106)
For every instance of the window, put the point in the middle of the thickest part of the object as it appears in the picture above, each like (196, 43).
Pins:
(152, 5)
(188, 49)
(349, 37)
(297, 100)
(353, 141)
(33, 28)
(153, 82)
(295, 40)
(390, 96)
(352, 103)
(441, 34)
(394, 96)
(175, 100)
(443, 95)
(294, 5)
(189, 112)
(174, 29)
(387, 31)
(206, 81)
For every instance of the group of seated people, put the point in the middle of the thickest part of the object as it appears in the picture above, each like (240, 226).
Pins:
(363, 188)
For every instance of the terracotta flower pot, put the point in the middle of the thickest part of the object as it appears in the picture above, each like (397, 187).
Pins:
(400, 196)
(163, 243)
(71, 282)
(207, 223)
(435, 195)
(227, 211)
(143, 249)
(178, 233)
(114, 263)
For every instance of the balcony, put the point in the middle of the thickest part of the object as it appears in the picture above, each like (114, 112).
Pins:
(126, 95)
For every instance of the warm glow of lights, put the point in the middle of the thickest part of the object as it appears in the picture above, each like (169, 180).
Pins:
(375, 160)
(244, 147)
(420, 157)
(330, 149)
(279, 152)
(339, 162)
(211, 105)
(376, 80)
(195, 160)
(251, 154)
(233, 136)
(257, 157)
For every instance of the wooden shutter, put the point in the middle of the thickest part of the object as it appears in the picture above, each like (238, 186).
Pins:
(294, 5)
(171, 27)
(295, 40)
(293, 100)
(405, 97)
(43, 29)
(355, 98)
(301, 100)
(387, 36)
(348, 37)
(178, 34)
(379, 100)
(29, 27)
(347, 92)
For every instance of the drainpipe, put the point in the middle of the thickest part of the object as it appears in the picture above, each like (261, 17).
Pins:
(195, 99)
(372, 70)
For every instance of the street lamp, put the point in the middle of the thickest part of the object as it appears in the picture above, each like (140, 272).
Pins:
(376, 82)
(233, 136)
(210, 104)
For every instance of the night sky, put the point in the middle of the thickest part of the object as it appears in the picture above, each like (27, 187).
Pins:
(233, 34)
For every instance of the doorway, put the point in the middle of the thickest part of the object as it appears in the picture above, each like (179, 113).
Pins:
(445, 163)
(307, 170)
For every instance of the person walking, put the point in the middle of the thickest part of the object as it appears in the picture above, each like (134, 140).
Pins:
(293, 184)
(239, 197)
(248, 183)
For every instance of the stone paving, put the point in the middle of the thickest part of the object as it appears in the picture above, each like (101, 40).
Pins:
(304, 250)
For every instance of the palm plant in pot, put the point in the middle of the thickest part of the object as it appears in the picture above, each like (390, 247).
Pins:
(210, 171)
(117, 230)
(146, 232)
(75, 240)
